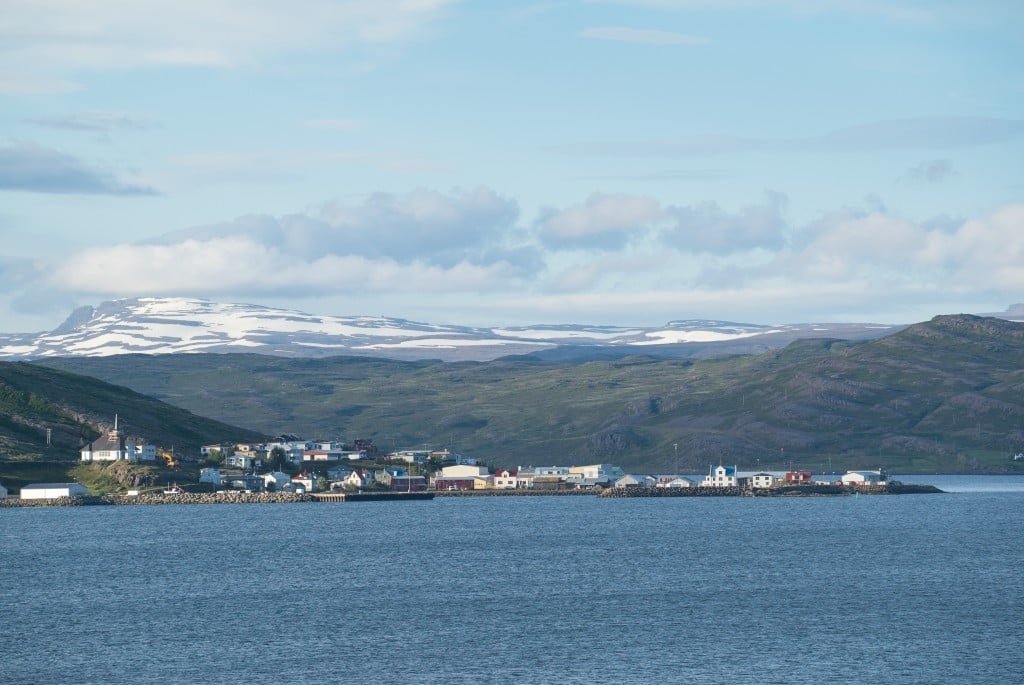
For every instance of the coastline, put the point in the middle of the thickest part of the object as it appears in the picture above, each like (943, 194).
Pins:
(610, 493)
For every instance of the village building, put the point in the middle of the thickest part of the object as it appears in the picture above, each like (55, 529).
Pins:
(634, 481)
(595, 474)
(411, 456)
(720, 477)
(680, 482)
(764, 479)
(3, 491)
(524, 479)
(53, 490)
(358, 480)
(246, 461)
(302, 483)
(506, 480)
(276, 481)
(861, 478)
(111, 446)
(211, 476)
(798, 476)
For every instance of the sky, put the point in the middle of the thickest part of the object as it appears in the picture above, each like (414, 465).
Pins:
(624, 162)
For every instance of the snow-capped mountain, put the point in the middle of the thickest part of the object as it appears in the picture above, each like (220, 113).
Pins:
(179, 325)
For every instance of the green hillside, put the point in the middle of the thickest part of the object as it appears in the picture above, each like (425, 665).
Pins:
(75, 409)
(944, 395)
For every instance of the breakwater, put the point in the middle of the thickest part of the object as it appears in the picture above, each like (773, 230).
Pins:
(230, 497)
(784, 491)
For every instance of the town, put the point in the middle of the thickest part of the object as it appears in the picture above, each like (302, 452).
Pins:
(289, 464)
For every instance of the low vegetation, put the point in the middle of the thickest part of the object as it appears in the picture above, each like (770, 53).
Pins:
(942, 395)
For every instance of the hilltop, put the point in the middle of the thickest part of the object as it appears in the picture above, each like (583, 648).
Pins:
(78, 408)
(944, 394)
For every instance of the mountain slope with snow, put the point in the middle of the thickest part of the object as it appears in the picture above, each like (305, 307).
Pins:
(180, 325)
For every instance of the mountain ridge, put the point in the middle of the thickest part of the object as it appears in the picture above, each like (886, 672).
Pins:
(186, 325)
(944, 394)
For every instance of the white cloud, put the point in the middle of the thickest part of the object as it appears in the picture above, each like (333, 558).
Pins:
(706, 227)
(55, 39)
(334, 124)
(603, 221)
(625, 34)
(239, 265)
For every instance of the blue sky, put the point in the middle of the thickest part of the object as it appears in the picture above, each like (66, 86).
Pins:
(621, 162)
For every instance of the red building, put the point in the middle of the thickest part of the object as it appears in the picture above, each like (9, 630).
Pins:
(798, 476)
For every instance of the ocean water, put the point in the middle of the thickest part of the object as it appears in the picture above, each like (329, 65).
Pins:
(902, 589)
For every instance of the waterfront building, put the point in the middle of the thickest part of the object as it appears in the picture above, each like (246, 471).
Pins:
(505, 479)
(595, 473)
(863, 477)
(464, 471)
(679, 482)
(720, 477)
(631, 481)
(52, 490)
(276, 481)
(211, 476)
(3, 491)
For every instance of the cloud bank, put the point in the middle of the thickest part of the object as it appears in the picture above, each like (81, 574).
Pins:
(37, 169)
(607, 258)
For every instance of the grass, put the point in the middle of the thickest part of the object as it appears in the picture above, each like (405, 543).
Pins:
(944, 395)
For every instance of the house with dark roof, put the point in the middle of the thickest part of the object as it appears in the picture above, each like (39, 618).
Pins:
(110, 446)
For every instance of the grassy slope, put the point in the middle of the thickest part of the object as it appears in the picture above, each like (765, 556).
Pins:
(941, 395)
(76, 408)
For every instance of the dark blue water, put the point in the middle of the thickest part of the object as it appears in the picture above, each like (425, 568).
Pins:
(906, 589)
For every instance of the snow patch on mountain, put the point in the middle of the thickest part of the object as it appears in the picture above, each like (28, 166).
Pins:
(151, 325)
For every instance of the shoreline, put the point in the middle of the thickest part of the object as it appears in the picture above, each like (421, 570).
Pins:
(609, 493)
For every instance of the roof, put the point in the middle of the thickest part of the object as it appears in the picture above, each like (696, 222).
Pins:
(108, 442)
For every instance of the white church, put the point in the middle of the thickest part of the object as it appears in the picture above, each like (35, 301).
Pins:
(114, 446)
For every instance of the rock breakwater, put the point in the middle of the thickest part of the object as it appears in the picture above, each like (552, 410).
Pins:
(160, 498)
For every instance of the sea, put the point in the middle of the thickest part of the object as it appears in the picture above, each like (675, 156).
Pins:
(851, 589)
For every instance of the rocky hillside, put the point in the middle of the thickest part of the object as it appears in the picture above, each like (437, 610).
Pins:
(74, 408)
(945, 394)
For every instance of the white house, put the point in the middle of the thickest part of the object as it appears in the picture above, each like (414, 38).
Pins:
(243, 460)
(276, 481)
(52, 490)
(505, 480)
(765, 479)
(596, 473)
(143, 452)
(411, 456)
(358, 479)
(863, 478)
(524, 479)
(720, 477)
(211, 476)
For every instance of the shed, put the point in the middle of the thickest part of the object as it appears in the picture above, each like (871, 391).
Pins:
(52, 490)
